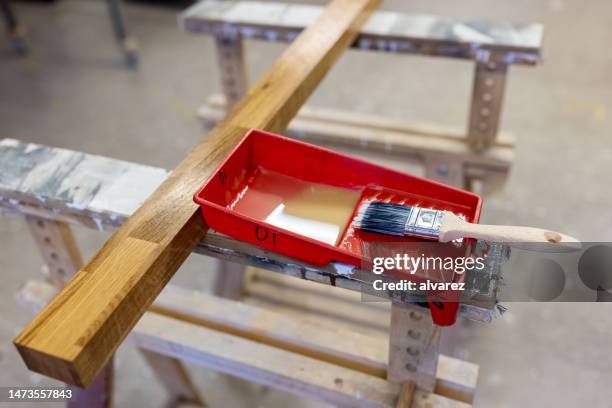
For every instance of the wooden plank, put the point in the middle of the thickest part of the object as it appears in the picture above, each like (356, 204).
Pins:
(75, 335)
(36, 180)
(423, 399)
(263, 364)
(300, 334)
(245, 358)
(385, 31)
(292, 333)
(456, 379)
(406, 395)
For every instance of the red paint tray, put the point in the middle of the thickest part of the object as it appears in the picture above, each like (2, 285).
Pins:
(297, 199)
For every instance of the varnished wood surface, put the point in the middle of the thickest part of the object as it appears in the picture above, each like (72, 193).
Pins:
(74, 336)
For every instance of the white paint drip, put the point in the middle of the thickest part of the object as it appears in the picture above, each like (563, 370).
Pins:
(76, 206)
(469, 34)
(30, 147)
(9, 143)
(99, 224)
(343, 269)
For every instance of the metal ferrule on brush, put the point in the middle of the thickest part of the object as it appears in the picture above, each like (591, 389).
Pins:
(400, 220)
(424, 223)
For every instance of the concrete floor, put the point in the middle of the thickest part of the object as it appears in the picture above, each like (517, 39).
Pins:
(73, 91)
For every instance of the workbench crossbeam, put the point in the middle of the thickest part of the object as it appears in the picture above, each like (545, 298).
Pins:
(385, 31)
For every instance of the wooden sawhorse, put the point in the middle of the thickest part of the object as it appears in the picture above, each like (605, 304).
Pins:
(478, 158)
(309, 339)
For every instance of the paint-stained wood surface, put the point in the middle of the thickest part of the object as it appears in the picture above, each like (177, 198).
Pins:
(76, 183)
(61, 199)
(386, 31)
(75, 335)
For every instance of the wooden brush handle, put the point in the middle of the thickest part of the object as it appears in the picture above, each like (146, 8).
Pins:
(532, 239)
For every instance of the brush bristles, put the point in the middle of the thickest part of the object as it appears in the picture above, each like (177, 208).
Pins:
(383, 218)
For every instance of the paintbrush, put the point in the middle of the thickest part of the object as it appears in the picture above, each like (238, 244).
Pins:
(444, 226)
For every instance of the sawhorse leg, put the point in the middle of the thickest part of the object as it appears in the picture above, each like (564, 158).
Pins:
(13, 28)
(413, 350)
(98, 395)
(232, 67)
(487, 100)
(128, 43)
